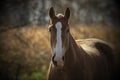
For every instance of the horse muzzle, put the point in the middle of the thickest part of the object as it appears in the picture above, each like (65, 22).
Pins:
(58, 61)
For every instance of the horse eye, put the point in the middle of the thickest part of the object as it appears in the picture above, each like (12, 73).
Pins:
(49, 30)
(67, 30)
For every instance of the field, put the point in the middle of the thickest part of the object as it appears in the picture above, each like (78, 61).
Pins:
(25, 51)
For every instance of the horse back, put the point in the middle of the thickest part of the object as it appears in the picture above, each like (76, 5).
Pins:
(96, 47)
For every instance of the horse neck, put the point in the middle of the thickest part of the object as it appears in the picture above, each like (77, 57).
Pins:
(73, 51)
(72, 44)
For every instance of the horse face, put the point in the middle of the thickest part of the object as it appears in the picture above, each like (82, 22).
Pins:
(59, 33)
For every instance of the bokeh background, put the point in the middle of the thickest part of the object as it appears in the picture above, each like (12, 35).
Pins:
(24, 38)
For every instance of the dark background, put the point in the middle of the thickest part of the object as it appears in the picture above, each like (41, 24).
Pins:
(23, 12)
(24, 40)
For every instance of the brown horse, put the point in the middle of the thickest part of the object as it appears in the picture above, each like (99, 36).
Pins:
(85, 59)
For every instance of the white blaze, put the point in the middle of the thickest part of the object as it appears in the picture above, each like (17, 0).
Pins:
(58, 47)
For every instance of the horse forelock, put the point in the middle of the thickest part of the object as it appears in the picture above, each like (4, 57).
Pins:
(60, 15)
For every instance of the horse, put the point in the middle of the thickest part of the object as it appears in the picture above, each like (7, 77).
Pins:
(83, 59)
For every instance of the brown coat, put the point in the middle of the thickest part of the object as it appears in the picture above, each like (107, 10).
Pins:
(86, 59)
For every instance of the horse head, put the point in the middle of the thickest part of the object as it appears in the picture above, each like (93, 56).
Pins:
(59, 35)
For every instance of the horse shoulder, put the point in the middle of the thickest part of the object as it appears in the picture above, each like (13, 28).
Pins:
(95, 47)
(101, 53)
(88, 46)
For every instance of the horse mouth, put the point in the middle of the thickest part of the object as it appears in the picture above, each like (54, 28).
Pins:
(58, 63)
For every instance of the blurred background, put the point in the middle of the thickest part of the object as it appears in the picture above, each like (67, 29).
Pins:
(24, 38)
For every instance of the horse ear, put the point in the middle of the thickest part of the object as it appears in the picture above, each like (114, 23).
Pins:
(67, 13)
(51, 13)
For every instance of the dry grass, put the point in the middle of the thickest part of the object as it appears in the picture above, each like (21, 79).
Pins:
(29, 48)
(108, 34)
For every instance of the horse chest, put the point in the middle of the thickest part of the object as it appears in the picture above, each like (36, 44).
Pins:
(73, 73)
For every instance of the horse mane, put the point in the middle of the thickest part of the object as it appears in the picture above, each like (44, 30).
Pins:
(60, 15)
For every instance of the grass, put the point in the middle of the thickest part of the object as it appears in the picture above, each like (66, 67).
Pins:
(36, 75)
(25, 51)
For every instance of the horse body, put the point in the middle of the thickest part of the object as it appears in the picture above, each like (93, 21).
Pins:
(85, 62)
(85, 59)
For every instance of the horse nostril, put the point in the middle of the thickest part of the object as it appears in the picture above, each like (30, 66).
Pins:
(63, 58)
(54, 62)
